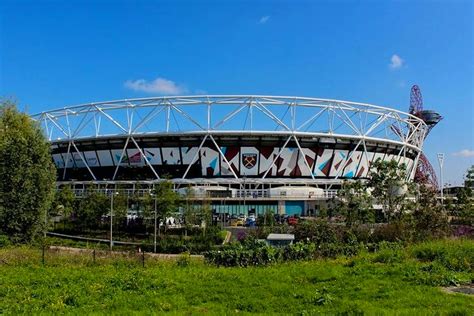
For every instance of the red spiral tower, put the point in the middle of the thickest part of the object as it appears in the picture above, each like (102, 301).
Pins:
(424, 170)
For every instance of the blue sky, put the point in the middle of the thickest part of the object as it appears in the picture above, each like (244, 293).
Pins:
(58, 53)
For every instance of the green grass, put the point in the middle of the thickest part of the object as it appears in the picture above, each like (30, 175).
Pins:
(392, 281)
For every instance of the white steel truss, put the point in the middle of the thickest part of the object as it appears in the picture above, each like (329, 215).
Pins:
(216, 115)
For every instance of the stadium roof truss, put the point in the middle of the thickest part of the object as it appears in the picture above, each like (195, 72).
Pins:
(244, 115)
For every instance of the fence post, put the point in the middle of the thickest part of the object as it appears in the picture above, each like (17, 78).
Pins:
(42, 256)
(93, 256)
(143, 259)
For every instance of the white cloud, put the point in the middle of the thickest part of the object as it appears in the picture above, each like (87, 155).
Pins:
(464, 153)
(159, 85)
(396, 62)
(264, 19)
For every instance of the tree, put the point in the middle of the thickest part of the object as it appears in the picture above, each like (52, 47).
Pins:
(63, 204)
(121, 202)
(167, 200)
(429, 218)
(269, 217)
(355, 203)
(190, 211)
(469, 178)
(91, 209)
(390, 188)
(27, 175)
(120, 209)
(205, 213)
(464, 203)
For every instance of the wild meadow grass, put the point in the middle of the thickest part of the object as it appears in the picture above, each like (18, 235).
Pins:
(394, 280)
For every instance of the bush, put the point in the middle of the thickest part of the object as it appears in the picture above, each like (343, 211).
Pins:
(390, 253)
(299, 251)
(463, 231)
(363, 233)
(433, 274)
(254, 252)
(184, 259)
(453, 256)
(319, 231)
(392, 232)
(332, 250)
(4, 241)
(249, 253)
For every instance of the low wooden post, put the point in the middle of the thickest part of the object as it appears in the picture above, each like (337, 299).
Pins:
(93, 256)
(143, 259)
(42, 256)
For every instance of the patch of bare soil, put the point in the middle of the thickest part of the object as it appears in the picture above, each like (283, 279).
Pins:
(464, 289)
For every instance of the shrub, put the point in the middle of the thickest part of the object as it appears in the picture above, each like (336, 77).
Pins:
(4, 241)
(184, 259)
(434, 274)
(452, 256)
(392, 232)
(463, 231)
(250, 252)
(254, 252)
(319, 231)
(332, 250)
(389, 253)
(299, 251)
(362, 233)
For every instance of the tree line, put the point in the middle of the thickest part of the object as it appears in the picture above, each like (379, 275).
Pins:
(29, 196)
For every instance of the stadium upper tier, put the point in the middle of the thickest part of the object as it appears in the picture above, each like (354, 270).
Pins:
(238, 137)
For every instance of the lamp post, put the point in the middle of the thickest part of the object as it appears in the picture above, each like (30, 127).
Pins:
(245, 196)
(441, 162)
(111, 218)
(154, 237)
(155, 220)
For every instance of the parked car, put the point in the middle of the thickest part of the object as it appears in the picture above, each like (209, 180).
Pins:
(241, 221)
(234, 222)
(280, 219)
(250, 222)
(292, 220)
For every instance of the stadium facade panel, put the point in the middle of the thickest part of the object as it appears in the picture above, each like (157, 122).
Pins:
(252, 158)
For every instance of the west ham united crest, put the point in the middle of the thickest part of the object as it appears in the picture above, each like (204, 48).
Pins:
(249, 160)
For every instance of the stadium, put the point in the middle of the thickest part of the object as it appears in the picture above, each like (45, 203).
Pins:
(244, 153)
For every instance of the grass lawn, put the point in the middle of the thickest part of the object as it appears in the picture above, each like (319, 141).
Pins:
(389, 282)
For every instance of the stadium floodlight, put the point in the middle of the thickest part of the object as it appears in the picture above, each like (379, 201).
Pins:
(441, 184)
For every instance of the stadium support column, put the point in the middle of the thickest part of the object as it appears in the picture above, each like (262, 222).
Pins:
(121, 157)
(277, 156)
(281, 207)
(304, 157)
(223, 156)
(145, 158)
(195, 157)
(83, 160)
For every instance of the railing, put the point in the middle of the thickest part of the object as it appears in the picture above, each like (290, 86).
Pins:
(230, 194)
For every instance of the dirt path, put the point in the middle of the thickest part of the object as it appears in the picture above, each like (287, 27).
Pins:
(128, 253)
